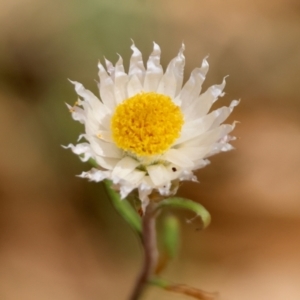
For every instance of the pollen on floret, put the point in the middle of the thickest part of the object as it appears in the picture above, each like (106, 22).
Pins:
(146, 124)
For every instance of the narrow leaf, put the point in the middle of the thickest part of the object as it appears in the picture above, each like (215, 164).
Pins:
(124, 208)
(171, 230)
(159, 282)
(197, 208)
(93, 162)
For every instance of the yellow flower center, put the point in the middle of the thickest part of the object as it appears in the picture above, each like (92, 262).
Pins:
(146, 124)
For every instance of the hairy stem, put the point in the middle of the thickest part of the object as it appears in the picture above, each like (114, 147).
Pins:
(150, 252)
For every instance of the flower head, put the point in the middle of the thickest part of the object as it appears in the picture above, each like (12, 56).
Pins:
(146, 131)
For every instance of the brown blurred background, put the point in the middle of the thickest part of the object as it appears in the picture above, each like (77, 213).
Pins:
(60, 238)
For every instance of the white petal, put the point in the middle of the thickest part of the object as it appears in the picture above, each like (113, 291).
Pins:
(95, 175)
(145, 189)
(189, 132)
(125, 190)
(106, 88)
(227, 138)
(104, 122)
(106, 162)
(147, 183)
(210, 121)
(105, 149)
(87, 95)
(92, 125)
(165, 190)
(135, 177)
(136, 64)
(83, 135)
(171, 81)
(203, 103)
(192, 87)
(198, 124)
(188, 175)
(124, 167)
(144, 197)
(158, 174)
(92, 105)
(177, 157)
(78, 114)
(145, 201)
(83, 149)
(195, 153)
(110, 68)
(223, 113)
(210, 137)
(174, 170)
(134, 86)
(105, 135)
(219, 147)
(95, 120)
(201, 163)
(154, 70)
(121, 80)
(196, 127)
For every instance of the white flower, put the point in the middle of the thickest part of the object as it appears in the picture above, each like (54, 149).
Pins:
(148, 132)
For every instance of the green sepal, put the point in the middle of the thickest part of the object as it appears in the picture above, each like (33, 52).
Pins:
(124, 208)
(177, 202)
(171, 235)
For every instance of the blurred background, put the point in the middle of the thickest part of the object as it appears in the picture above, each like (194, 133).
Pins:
(60, 237)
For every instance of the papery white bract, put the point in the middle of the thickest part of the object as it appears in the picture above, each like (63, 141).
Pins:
(146, 131)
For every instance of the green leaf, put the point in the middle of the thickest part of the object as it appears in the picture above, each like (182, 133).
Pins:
(171, 235)
(124, 208)
(162, 283)
(197, 208)
(122, 205)
(93, 162)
